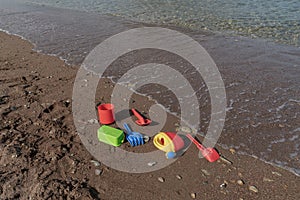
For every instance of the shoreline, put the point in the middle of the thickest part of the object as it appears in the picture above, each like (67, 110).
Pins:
(223, 146)
(45, 164)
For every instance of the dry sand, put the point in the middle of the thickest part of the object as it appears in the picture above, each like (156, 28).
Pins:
(43, 158)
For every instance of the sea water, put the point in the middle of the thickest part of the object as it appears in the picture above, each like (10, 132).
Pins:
(277, 20)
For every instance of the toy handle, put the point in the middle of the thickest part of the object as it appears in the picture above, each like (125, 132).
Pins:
(199, 146)
(137, 114)
(128, 130)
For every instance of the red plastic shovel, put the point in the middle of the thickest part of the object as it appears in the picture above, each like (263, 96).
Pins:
(141, 121)
(209, 153)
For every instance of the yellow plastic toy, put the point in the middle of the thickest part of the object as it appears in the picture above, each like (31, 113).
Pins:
(163, 142)
(168, 142)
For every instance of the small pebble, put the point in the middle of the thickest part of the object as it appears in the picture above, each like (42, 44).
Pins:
(161, 179)
(151, 164)
(67, 103)
(193, 195)
(98, 172)
(96, 163)
(185, 129)
(14, 156)
(205, 182)
(178, 177)
(232, 151)
(240, 182)
(253, 189)
(93, 121)
(146, 138)
(276, 173)
(267, 180)
(205, 172)
(223, 185)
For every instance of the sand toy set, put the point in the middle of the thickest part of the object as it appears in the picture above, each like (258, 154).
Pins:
(168, 142)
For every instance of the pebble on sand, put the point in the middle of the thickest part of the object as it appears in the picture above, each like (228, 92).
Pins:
(184, 129)
(265, 179)
(205, 172)
(193, 195)
(161, 179)
(253, 189)
(223, 185)
(96, 163)
(178, 177)
(276, 173)
(151, 164)
(14, 156)
(240, 182)
(232, 151)
(98, 172)
(146, 138)
(93, 121)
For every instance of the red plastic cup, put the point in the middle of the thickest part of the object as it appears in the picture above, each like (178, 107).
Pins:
(106, 113)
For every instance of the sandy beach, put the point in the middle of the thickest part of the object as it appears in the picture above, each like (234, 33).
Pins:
(42, 156)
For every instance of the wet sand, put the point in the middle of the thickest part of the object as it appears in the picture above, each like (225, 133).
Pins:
(42, 156)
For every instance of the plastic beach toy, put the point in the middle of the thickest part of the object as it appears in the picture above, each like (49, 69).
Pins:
(141, 121)
(106, 113)
(134, 138)
(209, 153)
(110, 135)
(168, 142)
(171, 155)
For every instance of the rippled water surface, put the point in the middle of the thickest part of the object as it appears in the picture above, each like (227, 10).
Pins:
(277, 20)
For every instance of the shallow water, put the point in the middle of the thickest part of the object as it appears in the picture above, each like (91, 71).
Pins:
(277, 20)
(261, 78)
